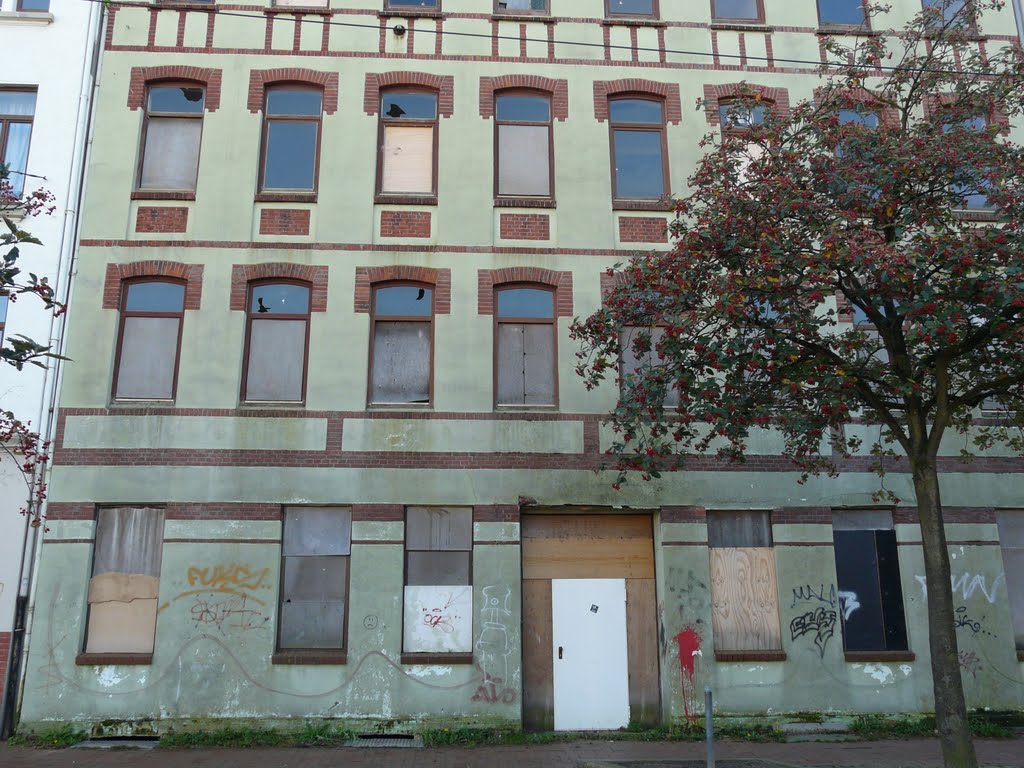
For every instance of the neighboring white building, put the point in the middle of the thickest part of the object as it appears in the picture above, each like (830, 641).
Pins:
(45, 90)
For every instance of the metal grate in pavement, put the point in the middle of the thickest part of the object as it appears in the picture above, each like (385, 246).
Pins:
(392, 741)
(133, 743)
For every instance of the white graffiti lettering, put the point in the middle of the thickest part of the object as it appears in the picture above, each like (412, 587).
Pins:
(849, 603)
(966, 585)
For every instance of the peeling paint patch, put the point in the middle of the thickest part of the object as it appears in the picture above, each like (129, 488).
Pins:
(755, 669)
(431, 671)
(879, 672)
(906, 669)
(108, 677)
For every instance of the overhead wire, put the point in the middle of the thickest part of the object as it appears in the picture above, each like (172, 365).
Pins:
(320, 20)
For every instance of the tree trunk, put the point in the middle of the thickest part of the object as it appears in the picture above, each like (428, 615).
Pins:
(950, 706)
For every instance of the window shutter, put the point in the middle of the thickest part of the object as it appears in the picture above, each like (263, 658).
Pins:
(149, 350)
(523, 165)
(511, 384)
(408, 165)
(277, 351)
(171, 159)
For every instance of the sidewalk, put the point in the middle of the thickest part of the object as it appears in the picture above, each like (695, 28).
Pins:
(922, 753)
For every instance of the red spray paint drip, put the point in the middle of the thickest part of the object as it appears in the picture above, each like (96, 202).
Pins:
(689, 643)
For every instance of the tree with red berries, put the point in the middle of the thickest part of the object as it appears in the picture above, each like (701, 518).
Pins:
(857, 260)
(17, 438)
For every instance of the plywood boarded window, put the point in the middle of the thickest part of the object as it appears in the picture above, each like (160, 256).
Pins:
(639, 356)
(149, 340)
(402, 345)
(525, 346)
(1011, 539)
(868, 577)
(276, 342)
(408, 143)
(523, 144)
(171, 134)
(314, 580)
(744, 589)
(125, 581)
(438, 580)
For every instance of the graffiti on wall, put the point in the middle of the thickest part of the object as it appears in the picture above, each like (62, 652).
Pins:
(688, 642)
(818, 594)
(229, 577)
(493, 648)
(821, 622)
(226, 612)
(963, 620)
(966, 585)
(224, 596)
(969, 662)
(438, 619)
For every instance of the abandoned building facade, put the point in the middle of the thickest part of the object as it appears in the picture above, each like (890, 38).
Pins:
(322, 451)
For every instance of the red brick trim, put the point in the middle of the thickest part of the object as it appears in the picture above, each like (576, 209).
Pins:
(488, 279)
(141, 77)
(259, 79)
(497, 513)
(161, 218)
(284, 221)
(405, 223)
(750, 655)
(643, 229)
(243, 274)
(5, 652)
(524, 226)
(776, 98)
(683, 515)
(603, 89)
(381, 513)
(441, 279)
(192, 274)
(376, 82)
(558, 90)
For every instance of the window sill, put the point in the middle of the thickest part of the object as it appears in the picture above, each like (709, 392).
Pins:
(155, 194)
(140, 403)
(846, 29)
(524, 202)
(750, 655)
(642, 205)
(740, 25)
(399, 406)
(271, 404)
(406, 13)
(31, 18)
(118, 659)
(309, 657)
(285, 197)
(189, 4)
(632, 21)
(542, 16)
(405, 199)
(880, 655)
(526, 408)
(322, 10)
(437, 658)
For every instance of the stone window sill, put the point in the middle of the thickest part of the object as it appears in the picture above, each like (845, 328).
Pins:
(750, 655)
(524, 202)
(642, 205)
(285, 197)
(880, 655)
(31, 18)
(322, 10)
(626, 21)
(742, 26)
(406, 13)
(541, 16)
(309, 657)
(119, 659)
(153, 194)
(405, 199)
(437, 658)
(845, 29)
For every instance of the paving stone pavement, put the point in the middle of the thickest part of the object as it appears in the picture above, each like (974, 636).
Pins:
(921, 753)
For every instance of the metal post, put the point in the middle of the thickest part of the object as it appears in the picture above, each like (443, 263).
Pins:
(709, 729)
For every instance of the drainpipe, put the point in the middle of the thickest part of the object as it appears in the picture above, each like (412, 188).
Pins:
(1018, 14)
(10, 700)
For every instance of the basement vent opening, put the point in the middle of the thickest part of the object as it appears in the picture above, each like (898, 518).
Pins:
(391, 740)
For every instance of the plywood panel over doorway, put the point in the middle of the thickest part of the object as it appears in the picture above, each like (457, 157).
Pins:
(588, 546)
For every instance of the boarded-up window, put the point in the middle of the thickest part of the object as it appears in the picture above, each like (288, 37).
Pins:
(125, 581)
(147, 356)
(1011, 538)
(525, 346)
(171, 137)
(402, 337)
(314, 580)
(744, 589)
(868, 577)
(278, 321)
(438, 580)
(639, 354)
(408, 143)
(523, 144)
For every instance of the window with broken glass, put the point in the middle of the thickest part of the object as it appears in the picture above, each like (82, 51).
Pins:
(171, 135)
(408, 143)
(277, 339)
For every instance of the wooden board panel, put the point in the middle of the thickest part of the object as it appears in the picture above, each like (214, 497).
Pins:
(642, 640)
(587, 527)
(588, 558)
(538, 674)
(744, 599)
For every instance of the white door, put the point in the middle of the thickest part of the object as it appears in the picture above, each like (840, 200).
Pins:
(591, 677)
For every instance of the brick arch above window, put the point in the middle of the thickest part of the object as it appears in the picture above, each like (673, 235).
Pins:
(558, 89)
(714, 95)
(850, 97)
(379, 81)
(603, 89)
(116, 274)
(489, 279)
(243, 274)
(261, 79)
(993, 114)
(441, 279)
(143, 76)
